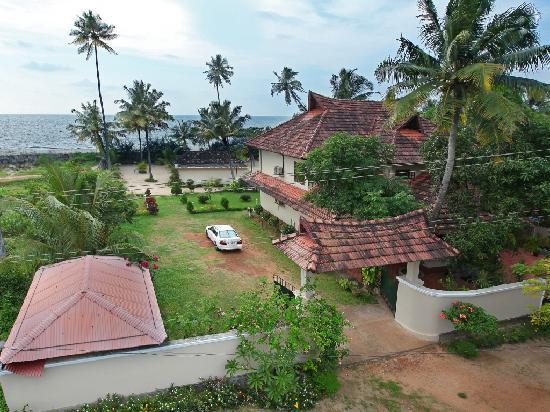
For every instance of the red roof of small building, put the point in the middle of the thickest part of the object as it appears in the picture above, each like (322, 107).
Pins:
(83, 305)
(327, 116)
(287, 194)
(339, 245)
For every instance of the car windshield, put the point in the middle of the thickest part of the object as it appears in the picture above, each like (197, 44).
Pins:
(227, 233)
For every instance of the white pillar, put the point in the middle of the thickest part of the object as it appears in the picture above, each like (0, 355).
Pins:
(305, 279)
(413, 268)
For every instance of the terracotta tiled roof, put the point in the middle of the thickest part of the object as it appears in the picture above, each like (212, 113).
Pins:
(422, 188)
(206, 158)
(339, 245)
(84, 305)
(326, 116)
(286, 193)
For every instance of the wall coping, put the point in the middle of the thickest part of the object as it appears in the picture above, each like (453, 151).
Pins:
(170, 345)
(459, 293)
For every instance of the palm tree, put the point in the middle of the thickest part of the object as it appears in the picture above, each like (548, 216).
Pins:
(90, 32)
(349, 85)
(221, 122)
(184, 132)
(131, 115)
(89, 127)
(467, 55)
(288, 84)
(219, 71)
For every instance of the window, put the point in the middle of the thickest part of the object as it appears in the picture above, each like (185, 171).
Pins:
(298, 178)
(224, 234)
(409, 174)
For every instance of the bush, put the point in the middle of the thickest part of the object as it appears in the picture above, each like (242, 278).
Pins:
(190, 184)
(372, 277)
(175, 188)
(203, 199)
(190, 207)
(273, 221)
(463, 348)
(327, 382)
(183, 199)
(246, 197)
(258, 209)
(265, 215)
(540, 319)
(151, 205)
(471, 319)
(344, 283)
(142, 167)
(287, 229)
(225, 203)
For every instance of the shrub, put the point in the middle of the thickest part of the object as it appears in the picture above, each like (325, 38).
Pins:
(151, 205)
(463, 348)
(151, 180)
(245, 197)
(265, 215)
(372, 277)
(203, 199)
(519, 270)
(225, 203)
(190, 207)
(258, 209)
(175, 188)
(190, 184)
(344, 283)
(327, 382)
(287, 229)
(273, 221)
(540, 319)
(183, 199)
(471, 319)
(142, 167)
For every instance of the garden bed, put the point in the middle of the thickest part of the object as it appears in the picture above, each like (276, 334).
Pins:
(213, 204)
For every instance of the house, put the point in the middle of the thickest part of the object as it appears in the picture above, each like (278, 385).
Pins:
(206, 165)
(281, 148)
(81, 306)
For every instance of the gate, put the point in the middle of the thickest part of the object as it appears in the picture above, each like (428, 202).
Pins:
(388, 289)
(284, 286)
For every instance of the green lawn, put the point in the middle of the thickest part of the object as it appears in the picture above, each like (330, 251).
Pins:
(214, 203)
(190, 268)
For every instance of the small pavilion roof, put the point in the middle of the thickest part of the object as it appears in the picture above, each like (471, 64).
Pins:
(83, 305)
(329, 245)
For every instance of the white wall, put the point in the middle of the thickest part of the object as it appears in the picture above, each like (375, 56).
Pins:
(203, 174)
(418, 308)
(270, 159)
(85, 379)
(285, 213)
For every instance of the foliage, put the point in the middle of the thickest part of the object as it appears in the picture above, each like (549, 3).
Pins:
(219, 72)
(190, 207)
(448, 283)
(183, 199)
(203, 199)
(290, 86)
(225, 203)
(349, 85)
(287, 229)
(151, 205)
(202, 317)
(245, 197)
(471, 319)
(175, 188)
(273, 221)
(352, 166)
(519, 270)
(540, 319)
(275, 330)
(184, 132)
(142, 167)
(265, 215)
(258, 208)
(327, 382)
(372, 277)
(190, 184)
(464, 348)
(470, 53)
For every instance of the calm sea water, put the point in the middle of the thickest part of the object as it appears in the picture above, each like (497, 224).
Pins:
(37, 133)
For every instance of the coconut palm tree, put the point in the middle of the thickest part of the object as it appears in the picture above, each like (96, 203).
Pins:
(131, 115)
(220, 122)
(467, 54)
(288, 84)
(219, 72)
(349, 85)
(184, 132)
(91, 33)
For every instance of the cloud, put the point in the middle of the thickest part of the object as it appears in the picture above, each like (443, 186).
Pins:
(92, 85)
(45, 67)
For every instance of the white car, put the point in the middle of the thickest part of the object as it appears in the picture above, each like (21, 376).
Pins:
(224, 237)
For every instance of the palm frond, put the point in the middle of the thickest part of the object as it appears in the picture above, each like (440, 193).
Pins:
(480, 74)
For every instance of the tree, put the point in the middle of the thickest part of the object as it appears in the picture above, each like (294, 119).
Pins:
(91, 33)
(219, 72)
(288, 84)
(349, 85)
(184, 132)
(466, 57)
(89, 127)
(352, 167)
(220, 122)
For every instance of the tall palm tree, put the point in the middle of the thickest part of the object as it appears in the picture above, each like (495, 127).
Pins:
(91, 33)
(349, 85)
(288, 84)
(184, 132)
(219, 121)
(131, 115)
(467, 55)
(219, 72)
(88, 126)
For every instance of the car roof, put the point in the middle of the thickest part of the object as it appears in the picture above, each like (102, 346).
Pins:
(223, 227)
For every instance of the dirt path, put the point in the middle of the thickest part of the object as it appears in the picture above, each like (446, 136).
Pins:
(510, 378)
(8, 179)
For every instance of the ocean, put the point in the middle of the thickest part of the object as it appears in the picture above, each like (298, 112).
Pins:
(47, 133)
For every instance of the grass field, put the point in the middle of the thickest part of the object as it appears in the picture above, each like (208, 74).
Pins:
(214, 204)
(190, 268)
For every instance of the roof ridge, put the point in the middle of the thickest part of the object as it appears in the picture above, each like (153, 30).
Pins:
(315, 131)
(124, 315)
(85, 283)
(31, 335)
(349, 222)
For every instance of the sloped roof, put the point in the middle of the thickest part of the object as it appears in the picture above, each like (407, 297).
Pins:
(206, 158)
(338, 245)
(286, 193)
(326, 116)
(83, 305)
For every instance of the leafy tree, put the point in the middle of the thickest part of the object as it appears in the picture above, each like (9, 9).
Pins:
(219, 72)
(90, 33)
(468, 54)
(184, 132)
(352, 166)
(220, 122)
(288, 84)
(347, 84)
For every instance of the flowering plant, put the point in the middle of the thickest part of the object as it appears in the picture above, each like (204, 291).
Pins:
(470, 318)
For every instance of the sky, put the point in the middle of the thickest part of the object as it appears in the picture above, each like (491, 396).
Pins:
(167, 43)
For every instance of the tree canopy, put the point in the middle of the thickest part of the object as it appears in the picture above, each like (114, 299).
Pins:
(347, 84)
(290, 86)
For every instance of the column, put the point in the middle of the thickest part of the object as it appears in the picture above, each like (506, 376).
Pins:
(413, 268)
(305, 279)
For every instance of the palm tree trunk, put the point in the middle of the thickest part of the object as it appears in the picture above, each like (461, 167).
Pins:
(148, 153)
(105, 138)
(218, 92)
(451, 154)
(227, 147)
(140, 150)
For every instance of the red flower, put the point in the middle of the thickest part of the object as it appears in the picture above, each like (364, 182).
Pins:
(145, 264)
(471, 309)
(155, 258)
(455, 320)
(442, 316)
(128, 263)
(462, 316)
(125, 257)
(155, 266)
